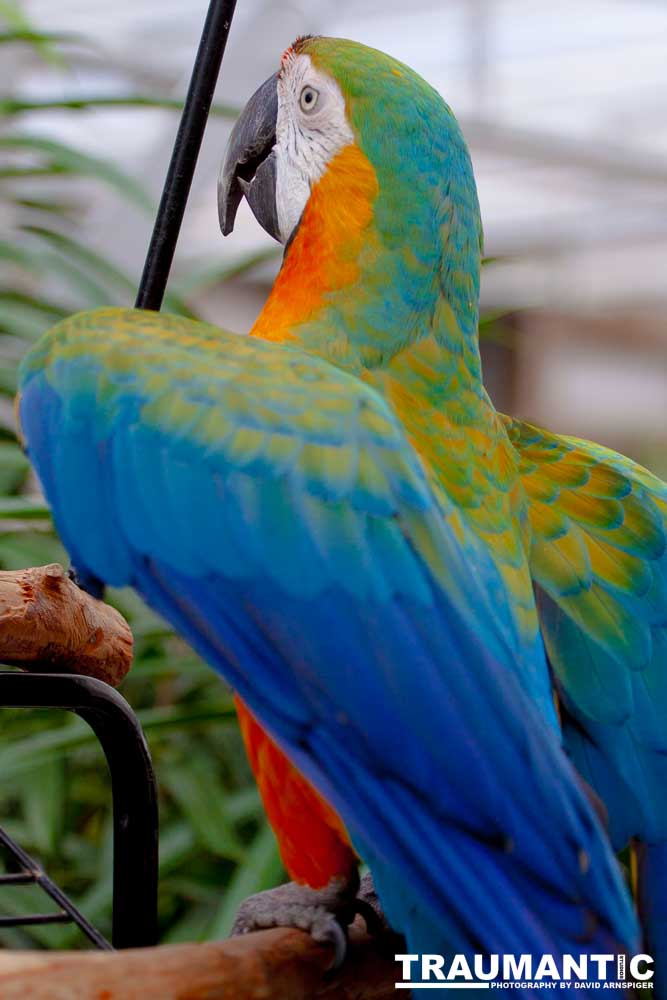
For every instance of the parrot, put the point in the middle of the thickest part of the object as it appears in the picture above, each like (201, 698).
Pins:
(444, 627)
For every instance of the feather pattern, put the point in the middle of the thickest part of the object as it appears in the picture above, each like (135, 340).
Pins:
(599, 561)
(381, 670)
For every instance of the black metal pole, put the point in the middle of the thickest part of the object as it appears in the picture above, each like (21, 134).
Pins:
(184, 156)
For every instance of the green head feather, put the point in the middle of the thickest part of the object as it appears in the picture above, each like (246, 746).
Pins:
(427, 212)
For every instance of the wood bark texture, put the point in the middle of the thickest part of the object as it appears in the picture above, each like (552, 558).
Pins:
(279, 964)
(47, 623)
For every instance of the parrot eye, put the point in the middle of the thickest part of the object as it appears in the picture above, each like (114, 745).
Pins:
(308, 99)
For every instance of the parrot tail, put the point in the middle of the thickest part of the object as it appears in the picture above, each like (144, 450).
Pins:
(652, 903)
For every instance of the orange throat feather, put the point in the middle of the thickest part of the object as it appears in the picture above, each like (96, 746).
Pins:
(323, 256)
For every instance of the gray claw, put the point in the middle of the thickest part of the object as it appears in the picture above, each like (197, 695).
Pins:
(368, 906)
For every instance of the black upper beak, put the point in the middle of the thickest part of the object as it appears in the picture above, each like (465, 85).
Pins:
(249, 164)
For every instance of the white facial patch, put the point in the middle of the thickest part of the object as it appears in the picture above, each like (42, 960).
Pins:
(311, 128)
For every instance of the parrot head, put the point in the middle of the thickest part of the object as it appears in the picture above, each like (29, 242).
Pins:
(354, 157)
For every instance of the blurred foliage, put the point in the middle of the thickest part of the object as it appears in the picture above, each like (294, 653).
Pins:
(215, 846)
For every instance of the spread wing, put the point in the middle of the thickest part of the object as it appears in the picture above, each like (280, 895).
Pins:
(270, 507)
(599, 563)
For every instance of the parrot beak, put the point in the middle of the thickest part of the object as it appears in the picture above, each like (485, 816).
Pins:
(249, 164)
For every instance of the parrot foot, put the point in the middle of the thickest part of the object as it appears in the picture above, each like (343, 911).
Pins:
(367, 904)
(87, 582)
(323, 913)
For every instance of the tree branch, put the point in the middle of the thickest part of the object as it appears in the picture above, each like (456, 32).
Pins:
(48, 623)
(284, 964)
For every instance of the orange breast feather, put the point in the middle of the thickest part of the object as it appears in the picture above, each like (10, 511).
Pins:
(324, 253)
(312, 839)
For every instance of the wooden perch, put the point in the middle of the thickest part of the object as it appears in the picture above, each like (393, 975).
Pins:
(280, 964)
(48, 623)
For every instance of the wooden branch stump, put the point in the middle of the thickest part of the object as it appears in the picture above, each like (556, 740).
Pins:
(47, 623)
(279, 964)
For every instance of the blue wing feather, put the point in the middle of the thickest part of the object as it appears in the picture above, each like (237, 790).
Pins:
(269, 506)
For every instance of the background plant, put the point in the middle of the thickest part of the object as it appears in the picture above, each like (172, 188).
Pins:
(215, 845)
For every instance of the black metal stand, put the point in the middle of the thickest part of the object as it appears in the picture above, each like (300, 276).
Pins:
(135, 815)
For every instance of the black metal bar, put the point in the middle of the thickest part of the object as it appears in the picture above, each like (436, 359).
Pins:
(19, 878)
(184, 156)
(34, 919)
(68, 912)
(133, 789)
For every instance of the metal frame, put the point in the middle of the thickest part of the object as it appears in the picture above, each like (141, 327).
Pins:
(135, 811)
(33, 874)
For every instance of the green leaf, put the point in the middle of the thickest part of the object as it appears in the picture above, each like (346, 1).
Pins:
(22, 755)
(15, 106)
(494, 329)
(37, 38)
(173, 303)
(192, 926)
(244, 805)
(66, 209)
(204, 276)
(21, 29)
(17, 255)
(27, 548)
(25, 173)
(23, 509)
(86, 291)
(8, 380)
(14, 466)
(117, 281)
(20, 320)
(202, 796)
(177, 841)
(77, 250)
(52, 310)
(261, 869)
(43, 797)
(64, 159)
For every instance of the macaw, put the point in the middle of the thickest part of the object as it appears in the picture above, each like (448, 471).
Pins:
(425, 608)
